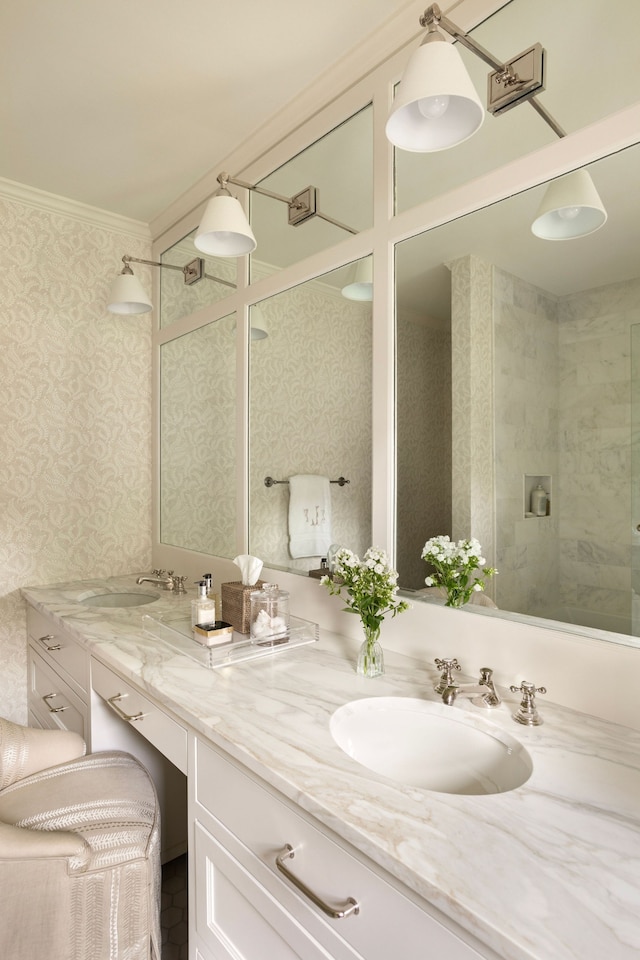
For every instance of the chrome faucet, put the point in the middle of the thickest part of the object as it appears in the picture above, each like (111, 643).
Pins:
(482, 694)
(169, 581)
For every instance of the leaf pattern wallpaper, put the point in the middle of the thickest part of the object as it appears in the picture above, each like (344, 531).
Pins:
(75, 417)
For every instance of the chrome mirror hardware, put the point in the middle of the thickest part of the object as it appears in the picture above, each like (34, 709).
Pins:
(446, 665)
(482, 694)
(527, 713)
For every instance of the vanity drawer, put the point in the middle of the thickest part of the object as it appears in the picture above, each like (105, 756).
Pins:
(51, 700)
(387, 924)
(140, 713)
(59, 649)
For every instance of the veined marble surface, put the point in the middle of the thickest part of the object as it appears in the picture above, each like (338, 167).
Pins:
(549, 871)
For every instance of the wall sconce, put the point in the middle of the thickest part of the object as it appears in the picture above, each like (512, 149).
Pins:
(437, 107)
(571, 207)
(360, 286)
(128, 296)
(224, 230)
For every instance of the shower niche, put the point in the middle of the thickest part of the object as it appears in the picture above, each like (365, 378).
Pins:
(537, 495)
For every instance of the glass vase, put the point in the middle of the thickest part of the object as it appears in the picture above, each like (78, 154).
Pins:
(370, 656)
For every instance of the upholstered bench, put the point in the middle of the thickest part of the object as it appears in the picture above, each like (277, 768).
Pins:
(79, 850)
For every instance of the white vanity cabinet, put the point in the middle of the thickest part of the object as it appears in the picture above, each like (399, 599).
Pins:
(246, 907)
(58, 680)
(123, 718)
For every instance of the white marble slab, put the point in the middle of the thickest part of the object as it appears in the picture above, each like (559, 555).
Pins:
(549, 871)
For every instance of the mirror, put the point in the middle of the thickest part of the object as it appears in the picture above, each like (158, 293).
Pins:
(340, 167)
(310, 413)
(197, 439)
(540, 368)
(178, 299)
(575, 94)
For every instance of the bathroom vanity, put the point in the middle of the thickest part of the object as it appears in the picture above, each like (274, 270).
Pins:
(296, 850)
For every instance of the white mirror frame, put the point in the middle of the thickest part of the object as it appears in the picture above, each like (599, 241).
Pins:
(589, 144)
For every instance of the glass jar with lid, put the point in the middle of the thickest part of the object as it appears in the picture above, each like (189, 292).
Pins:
(269, 615)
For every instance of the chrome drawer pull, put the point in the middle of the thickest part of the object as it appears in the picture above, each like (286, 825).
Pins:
(336, 913)
(46, 640)
(50, 696)
(129, 717)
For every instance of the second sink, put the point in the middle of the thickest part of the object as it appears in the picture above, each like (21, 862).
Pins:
(430, 745)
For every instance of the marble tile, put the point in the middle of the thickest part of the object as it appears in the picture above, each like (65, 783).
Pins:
(564, 847)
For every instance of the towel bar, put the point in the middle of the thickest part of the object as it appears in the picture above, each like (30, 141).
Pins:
(269, 481)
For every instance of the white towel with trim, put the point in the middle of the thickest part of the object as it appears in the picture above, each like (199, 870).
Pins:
(309, 515)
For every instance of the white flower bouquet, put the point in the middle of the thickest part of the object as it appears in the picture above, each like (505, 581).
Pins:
(454, 568)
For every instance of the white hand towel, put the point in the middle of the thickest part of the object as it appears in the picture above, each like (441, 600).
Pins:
(309, 516)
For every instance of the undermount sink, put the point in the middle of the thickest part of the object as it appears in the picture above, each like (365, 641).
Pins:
(430, 745)
(119, 599)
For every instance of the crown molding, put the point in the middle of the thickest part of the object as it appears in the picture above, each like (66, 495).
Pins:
(63, 206)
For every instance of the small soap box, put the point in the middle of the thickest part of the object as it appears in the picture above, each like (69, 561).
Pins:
(212, 634)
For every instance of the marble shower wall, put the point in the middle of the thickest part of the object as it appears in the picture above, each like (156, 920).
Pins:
(597, 530)
(526, 443)
(75, 418)
(563, 409)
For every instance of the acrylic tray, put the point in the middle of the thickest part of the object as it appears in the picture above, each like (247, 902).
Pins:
(177, 635)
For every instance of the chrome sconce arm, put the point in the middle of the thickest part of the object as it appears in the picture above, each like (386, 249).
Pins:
(128, 296)
(506, 87)
(302, 207)
(193, 271)
(437, 106)
(225, 231)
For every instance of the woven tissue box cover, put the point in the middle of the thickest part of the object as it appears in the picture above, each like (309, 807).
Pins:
(236, 604)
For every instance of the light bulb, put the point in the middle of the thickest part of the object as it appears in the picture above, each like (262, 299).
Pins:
(569, 213)
(432, 108)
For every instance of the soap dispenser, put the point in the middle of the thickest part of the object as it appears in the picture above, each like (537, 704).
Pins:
(208, 578)
(539, 501)
(203, 609)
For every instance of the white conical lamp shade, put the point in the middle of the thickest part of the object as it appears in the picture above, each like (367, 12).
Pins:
(224, 230)
(128, 296)
(258, 326)
(571, 207)
(436, 106)
(361, 286)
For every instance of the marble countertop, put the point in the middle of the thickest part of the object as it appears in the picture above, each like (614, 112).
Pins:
(549, 871)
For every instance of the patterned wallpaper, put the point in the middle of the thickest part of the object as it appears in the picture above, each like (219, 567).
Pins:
(198, 448)
(310, 410)
(423, 442)
(75, 417)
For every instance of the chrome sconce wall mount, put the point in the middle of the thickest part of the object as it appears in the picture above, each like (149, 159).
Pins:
(437, 107)
(128, 296)
(224, 230)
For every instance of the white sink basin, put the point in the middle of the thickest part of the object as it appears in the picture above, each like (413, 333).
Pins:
(430, 745)
(119, 599)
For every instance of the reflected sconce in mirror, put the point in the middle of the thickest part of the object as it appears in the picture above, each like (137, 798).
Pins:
(225, 231)
(128, 296)
(437, 107)
(571, 207)
(360, 286)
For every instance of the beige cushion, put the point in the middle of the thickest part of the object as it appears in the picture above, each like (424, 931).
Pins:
(79, 858)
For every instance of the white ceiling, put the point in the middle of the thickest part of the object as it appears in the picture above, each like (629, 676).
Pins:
(124, 105)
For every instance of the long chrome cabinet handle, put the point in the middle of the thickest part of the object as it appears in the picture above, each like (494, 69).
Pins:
(129, 717)
(336, 913)
(48, 637)
(50, 696)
